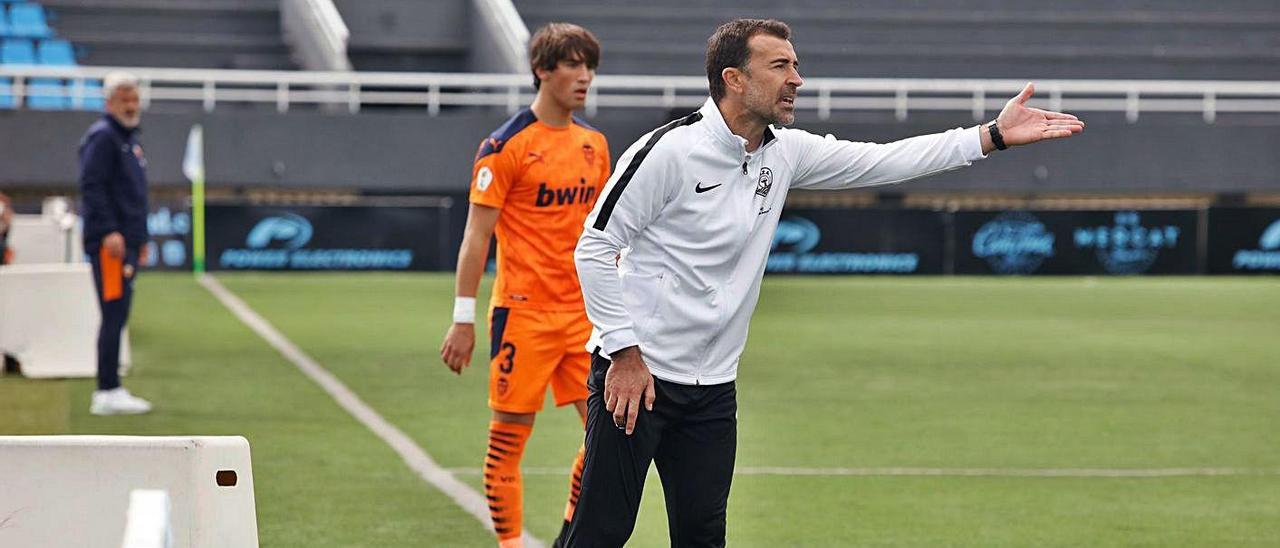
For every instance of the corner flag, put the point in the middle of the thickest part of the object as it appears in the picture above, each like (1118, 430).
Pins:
(193, 169)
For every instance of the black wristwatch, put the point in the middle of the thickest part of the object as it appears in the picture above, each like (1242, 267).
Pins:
(998, 140)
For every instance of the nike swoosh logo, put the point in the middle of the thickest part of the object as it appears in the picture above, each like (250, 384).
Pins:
(700, 189)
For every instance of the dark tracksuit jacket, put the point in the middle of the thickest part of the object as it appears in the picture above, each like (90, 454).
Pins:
(113, 184)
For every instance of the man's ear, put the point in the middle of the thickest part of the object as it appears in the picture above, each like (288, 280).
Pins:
(541, 73)
(733, 79)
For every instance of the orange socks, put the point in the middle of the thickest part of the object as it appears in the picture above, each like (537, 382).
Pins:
(575, 485)
(503, 485)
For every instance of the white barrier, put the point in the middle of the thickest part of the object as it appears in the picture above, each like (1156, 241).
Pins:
(147, 524)
(49, 320)
(37, 239)
(74, 491)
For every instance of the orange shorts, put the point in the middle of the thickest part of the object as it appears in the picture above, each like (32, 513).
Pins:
(530, 349)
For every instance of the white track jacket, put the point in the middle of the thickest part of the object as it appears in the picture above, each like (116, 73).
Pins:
(672, 255)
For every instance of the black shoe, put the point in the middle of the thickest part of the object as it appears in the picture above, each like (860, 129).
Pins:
(11, 365)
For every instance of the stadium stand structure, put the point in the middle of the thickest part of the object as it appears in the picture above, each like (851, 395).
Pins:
(27, 39)
(371, 147)
(246, 34)
(1177, 39)
(233, 34)
(407, 35)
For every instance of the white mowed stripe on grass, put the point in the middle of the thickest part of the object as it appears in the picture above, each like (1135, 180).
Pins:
(414, 456)
(952, 472)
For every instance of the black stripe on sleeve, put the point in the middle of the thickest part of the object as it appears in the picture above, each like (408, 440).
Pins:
(612, 199)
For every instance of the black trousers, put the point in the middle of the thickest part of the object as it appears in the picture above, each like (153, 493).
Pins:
(115, 310)
(691, 435)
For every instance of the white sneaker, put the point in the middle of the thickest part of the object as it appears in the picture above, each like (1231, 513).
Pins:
(118, 401)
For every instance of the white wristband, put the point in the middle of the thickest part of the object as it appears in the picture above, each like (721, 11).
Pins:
(464, 310)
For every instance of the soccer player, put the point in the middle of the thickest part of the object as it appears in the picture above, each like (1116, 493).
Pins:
(534, 182)
(695, 204)
(113, 184)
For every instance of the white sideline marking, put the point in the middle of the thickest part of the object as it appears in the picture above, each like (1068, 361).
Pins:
(414, 456)
(954, 472)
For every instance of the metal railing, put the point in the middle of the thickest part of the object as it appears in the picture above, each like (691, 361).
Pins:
(433, 91)
(316, 34)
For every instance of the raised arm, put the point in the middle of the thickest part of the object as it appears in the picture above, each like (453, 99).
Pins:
(829, 163)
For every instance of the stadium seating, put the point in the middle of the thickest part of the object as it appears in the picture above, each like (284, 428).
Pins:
(56, 53)
(1181, 39)
(6, 93)
(229, 34)
(47, 94)
(17, 51)
(28, 20)
(90, 96)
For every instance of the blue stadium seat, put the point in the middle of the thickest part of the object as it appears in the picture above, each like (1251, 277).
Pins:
(17, 51)
(47, 94)
(4, 20)
(27, 20)
(56, 53)
(6, 93)
(90, 96)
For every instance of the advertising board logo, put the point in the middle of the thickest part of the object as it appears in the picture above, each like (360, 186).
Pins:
(293, 230)
(279, 242)
(1270, 239)
(1266, 257)
(796, 237)
(1015, 242)
(1127, 247)
(169, 230)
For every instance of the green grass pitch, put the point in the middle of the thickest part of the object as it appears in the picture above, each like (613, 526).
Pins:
(856, 373)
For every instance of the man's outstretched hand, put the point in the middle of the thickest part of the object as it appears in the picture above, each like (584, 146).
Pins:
(1023, 125)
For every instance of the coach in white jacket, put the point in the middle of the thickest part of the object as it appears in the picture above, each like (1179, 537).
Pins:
(671, 260)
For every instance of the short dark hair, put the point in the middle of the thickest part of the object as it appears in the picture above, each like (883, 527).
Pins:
(556, 42)
(727, 47)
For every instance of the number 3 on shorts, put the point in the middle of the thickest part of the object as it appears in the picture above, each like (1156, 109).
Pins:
(509, 362)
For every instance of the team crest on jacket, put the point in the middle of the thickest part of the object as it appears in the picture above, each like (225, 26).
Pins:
(765, 182)
(137, 153)
(589, 153)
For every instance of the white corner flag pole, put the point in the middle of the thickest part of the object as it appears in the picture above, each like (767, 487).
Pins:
(193, 169)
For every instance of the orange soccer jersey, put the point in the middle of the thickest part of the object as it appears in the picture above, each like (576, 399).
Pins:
(546, 180)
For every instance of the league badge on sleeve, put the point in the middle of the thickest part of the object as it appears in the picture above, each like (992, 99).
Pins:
(483, 178)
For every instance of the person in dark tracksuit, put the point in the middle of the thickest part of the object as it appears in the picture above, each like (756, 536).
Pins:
(113, 186)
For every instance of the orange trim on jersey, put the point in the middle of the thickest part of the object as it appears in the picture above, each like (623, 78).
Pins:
(112, 275)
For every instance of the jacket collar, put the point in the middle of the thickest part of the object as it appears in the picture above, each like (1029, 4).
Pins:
(116, 125)
(719, 129)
